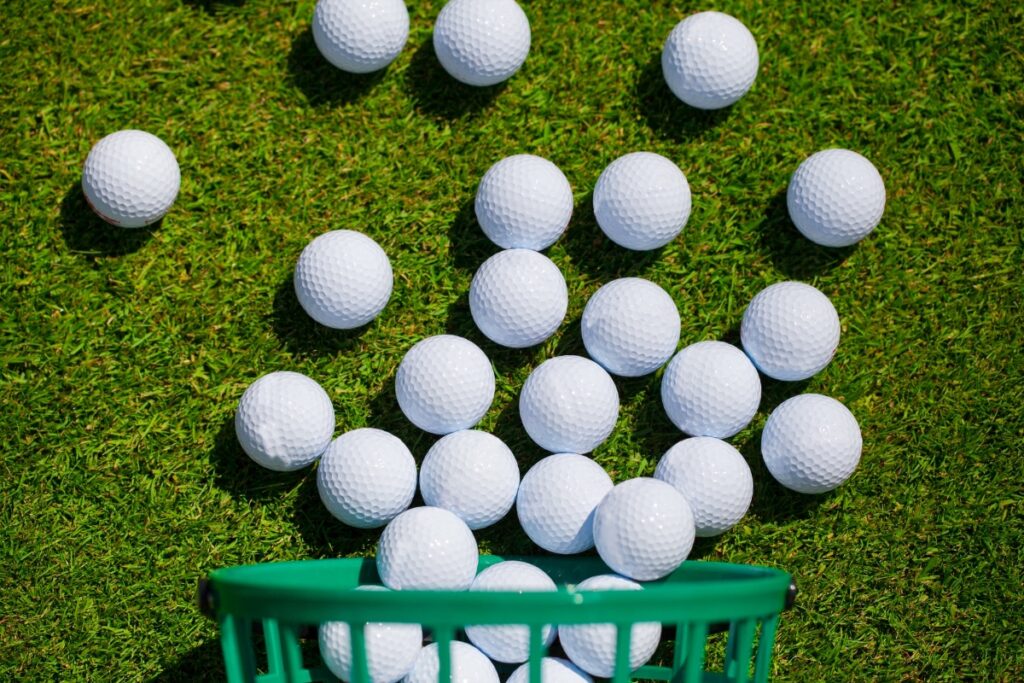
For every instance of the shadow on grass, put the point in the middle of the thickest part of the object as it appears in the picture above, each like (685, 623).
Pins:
(593, 253)
(302, 335)
(468, 246)
(239, 475)
(320, 81)
(504, 359)
(213, 6)
(86, 233)
(435, 93)
(201, 663)
(794, 255)
(666, 114)
(326, 536)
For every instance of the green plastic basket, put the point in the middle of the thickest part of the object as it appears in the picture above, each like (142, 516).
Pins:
(289, 599)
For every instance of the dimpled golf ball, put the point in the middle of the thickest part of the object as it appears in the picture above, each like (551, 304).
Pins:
(713, 478)
(642, 201)
(557, 499)
(360, 36)
(790, 330)
(366, 477)
(469, 665)
(518, 298)
(510, 644)
(711, 389)
(284, 421)
(391, 649)
(569, 404)
(709, 60)
(811, 443)
(444, 384)
(343, 279)
(481, 42)
(836, 198)
(523, 202)
(631, 327)
(643, 529)
(552, 670)
(131, 178)
(473, 474)
(427, 548)
(592, 646)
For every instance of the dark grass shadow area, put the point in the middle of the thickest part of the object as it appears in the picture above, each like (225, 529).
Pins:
(302, 335)
(236, 473)
(593, 253)
(322, 533)
(213, 6)
(86, 233)
(666, 114)
(435, 93)
(384, 413)
(321, 82)
(504, 359)
(468, 245)
(202, 663)
(792, 254)
(772, 501)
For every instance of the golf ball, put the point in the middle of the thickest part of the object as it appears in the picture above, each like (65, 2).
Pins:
(642, 201)
(811, 443)
(709, 60)
(790, 330)
(631, 327)
(557, 499)
(391, 649)
(360, 36)
(592, 646)
(131, 178)
(518, 298)
(481, 42)
(427, 548)
(836, 198)
(366, 477)
(469, 665)
(523, 202)
(343, 279)
(472, 474)
(510, 644)
(711, 389)
(284, 421)
(569, 404)
(552, 670)
(713, 478)
(444, 384)
(643, 529)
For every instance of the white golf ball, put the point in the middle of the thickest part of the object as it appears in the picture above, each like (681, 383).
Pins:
(469, 665)
(366, 477)
(391, 649)
(642, 201)
(523, 202)
(569, 404)
(631, 327)
(510, 644)
(518, 298)
(711, 389)
(360, 36)
(836, 198)
(343, 279)
(643, 529)
(473, 474)
(131, 178)
(444, 384)
(811, 443)
(552, 670)
(284, 421)
(790, 330)
(427, 548)
(713, 478)
(557, 499)
(481, 42)
(592, 646)
(709, 60)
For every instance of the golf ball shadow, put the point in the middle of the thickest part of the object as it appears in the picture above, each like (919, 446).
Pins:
(321, 82)
(791, 253)
(665, 113)
(86, 233)
(438, 94)
(300, 334)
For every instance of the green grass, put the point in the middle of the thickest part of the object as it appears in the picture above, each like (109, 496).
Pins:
(124, 353)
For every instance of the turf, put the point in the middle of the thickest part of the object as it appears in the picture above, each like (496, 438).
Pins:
(125, 352)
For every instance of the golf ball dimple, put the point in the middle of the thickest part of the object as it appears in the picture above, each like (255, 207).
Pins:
(518, 298)
(811, 443)
(836, 198)
(343, 279)
(469, 665)
(709, 60)
(711, 389)
(444, 384)
(713, 478)
(366, 477)
(642, 201)
(631, 327)
(569, 404)
(473, 474)
(284, 421)
(481, 42)
(510, 644)
(552, 670)
(523, 202)
(360, 36)
(790, 330)
(427, 548)
(131, 178)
